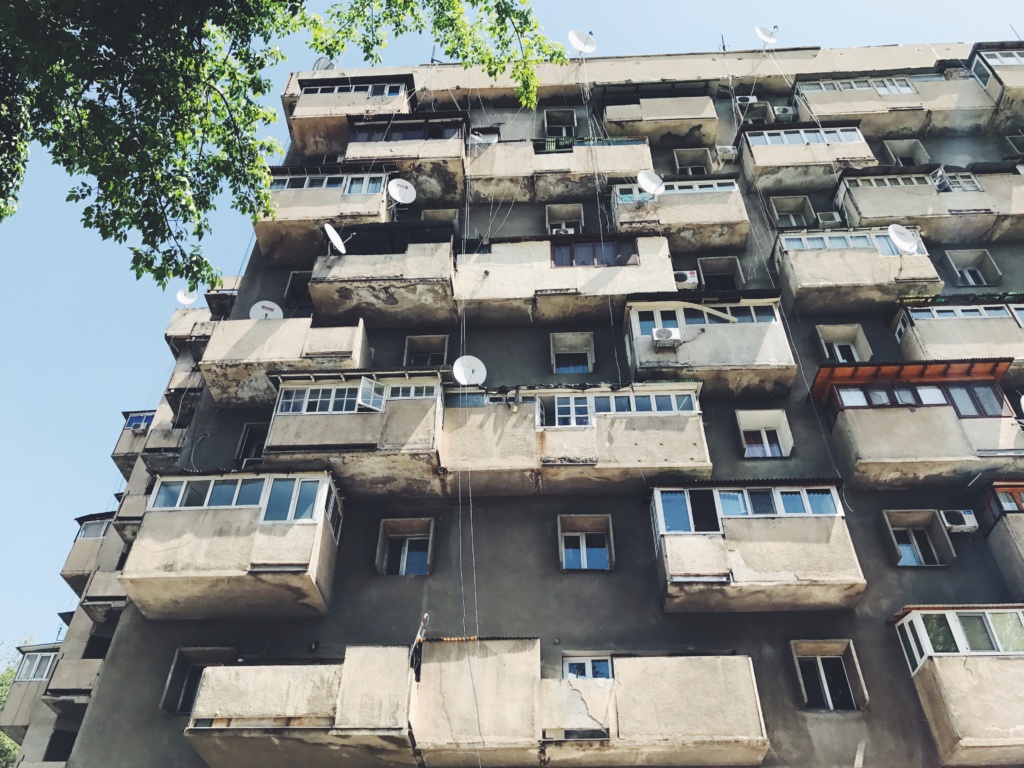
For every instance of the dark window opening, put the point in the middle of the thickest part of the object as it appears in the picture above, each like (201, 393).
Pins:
(572, 362)
(705, 514)
(594, 253)
(720, 282)
(58, 750)
(96, 647)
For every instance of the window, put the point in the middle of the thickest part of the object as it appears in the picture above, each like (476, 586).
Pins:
(426, 351)
(974, 268)
(587, 667)
(844, 343)
(252, 442)
(405, 546)
(585, 542)
(805, 136)
(290, 499)
(946, 312)
(36, 666)
(918, 537)
(638, 403)
(958, 182)
(841, 352)
(631, 193)
(94, 529)
(692, 162)
(1004, 58)
(369, 396)
(971, 399)
(411, 391)
(139, 421)
(595, 253)
(720, 273)
(183, 681)
(360, 184)
(60, 746)
(765, 434)
(698, 510)
(879, 242)
(918, 180)
(580, 410)
(405, 131)
(560, 122)
(572, 353)
(981, 71)
(374, 90)
(960, 632)
(829, 674)
(834, 86)
(564, 218)
(888, 86)
(691, 511)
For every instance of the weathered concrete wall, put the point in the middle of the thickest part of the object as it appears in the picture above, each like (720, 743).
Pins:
(74, 675)
(88, 555)
(1006, 540)
(698, 221)
(973, 706)
(687, 121)
(23, 703)
(308, 692)
(965, 337)
(319, 121)
(802, 167)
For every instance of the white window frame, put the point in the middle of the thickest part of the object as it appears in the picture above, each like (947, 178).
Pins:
(36, 666)
(581, 537)
(834, 86)
(789, 137)
(631, 193)
(1004, 58)
(892, 86)
(589, 662)
(678, 310)
(960, 312)
(412, 391)
(963, 182)
(406, 538)
(94, 525)
(880, 241)
(319, 501)
(319, 181)
(832, 350)
(370, 396)
(614, 404)
(390, 89)
(915, 546)
(921, 645)
(575, 408)
(908, 180)
(790, 220)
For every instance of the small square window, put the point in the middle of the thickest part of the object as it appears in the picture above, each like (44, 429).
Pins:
(829, 674)
(405, 546)
(585, 542)
(917, 537)
(974, 268)
(764, 434)
(572, 352)
(426, 351)
(720, 273)
(844, 343)
(560, 122)
(587, 667)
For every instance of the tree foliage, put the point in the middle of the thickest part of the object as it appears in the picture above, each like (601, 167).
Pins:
(8, 749)
(155, 106)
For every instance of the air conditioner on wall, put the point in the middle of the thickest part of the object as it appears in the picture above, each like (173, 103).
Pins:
(140, 428)
(746, 100)
(959, 520)
(726, 152)
(785, 114)
(563, 231)
(667, 338)
(687, 279)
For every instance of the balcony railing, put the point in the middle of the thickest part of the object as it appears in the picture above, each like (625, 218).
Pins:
(569, 143)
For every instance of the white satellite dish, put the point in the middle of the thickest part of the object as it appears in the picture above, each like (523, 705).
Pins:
(1022, 403)
(765, 35)
(335, 238)
(265, 310)
(583, 42)
(650, 182)
(401, 191)
(322, 63)
(903, 238)
(187, 297)
(469, 371)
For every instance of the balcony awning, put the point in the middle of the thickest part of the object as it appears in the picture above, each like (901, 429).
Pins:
(918, 371)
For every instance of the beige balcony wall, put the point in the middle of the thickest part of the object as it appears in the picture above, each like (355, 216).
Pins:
(384, 289)
(128, 448)
(89, 555)
(516, 282)
(687, 121)
(319, 123)
(974, 707)
(966, 337)
(200, 563)
(183, 325)
(435, 167)
(695, 221)
(74, 675)
(732, 359)
(1006, 540)
(497, 445)
(23, 699)
(937, 108)
(992, 215)
(807, 167)
(104, 596)
(853, 280)
(241, 353)
(776, 563)
(1007, 87)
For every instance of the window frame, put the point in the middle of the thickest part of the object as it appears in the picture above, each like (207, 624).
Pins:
(618, 244)
(589, 663)
(922, 647)
(848, 135)
(28, 668)
(836, 403)
(842, 649)
(748, 506)
(879, 241)
(582, 526)
(407, 529)
(104, 527)
(346, 179)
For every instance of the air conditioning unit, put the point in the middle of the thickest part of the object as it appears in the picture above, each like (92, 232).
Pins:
(140, 429)
(727, 153)
(667, 338)
(687, 279)
(745, 101)
(563, 231)
(959, 520)
(829, 219)
(785, 114)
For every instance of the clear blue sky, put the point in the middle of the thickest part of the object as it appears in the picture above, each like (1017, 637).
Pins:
(81, 337)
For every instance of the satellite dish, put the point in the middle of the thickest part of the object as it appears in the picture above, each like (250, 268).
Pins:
(650, 182)
(335, 238)
(265, 310)
(401, 191)
(187, 297)
(322, 63)
(903, 238)
(583, 42)
(469, 371)
(1022, 403)
(766, 36)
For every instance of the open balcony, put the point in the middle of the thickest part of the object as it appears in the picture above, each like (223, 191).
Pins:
(824, 271)
(946, 206)
(380, 436)
(553, 169)
(659, 711)
(103, 597)
(689, 120)
(968, 669)
(564, 279)
(405, 282)
(802, 157)
(734, 349)
(242, 355)
(240, 545)
(783, 548)
(693, 215)
(71, 684)
(899, 106)
(568, 441)
(907, 424)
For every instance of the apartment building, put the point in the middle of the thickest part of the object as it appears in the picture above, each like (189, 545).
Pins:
(742, 483)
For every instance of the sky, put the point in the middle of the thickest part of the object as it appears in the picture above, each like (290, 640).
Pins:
(80, 334)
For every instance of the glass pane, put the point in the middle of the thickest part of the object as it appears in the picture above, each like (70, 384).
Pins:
(838, 683)
(644, 319)
(753, 444)
(393, 558)
(684, 402)
(762, 501)
(355, 185)
(623, 404)
(693, 316)
(939, 633)
(416, 557)
(852, 397)
(583, 254)
(931, 395)
(602, 669)
(167, 495)
(643, 403)
(812, 683)
(676, 511)
(576, 669)
(879, 397)
(924, 546)
(976, 632)
(561, 256)
(374, 185)
(1009, 630)
(223, 493)
(816, 243)
(792, 502)
(962, 400)
(764, 314)
(733, 503)
(860, 241)
(597, 551)
(905, 395)
(821, 501)
(669, 319)
(602, 404)
(249, 493)
(280, 499)
(571, 551)
(663, 402)
(195, 493)
(991, 403)
(306, 500)
(774, 444)
(908, 553)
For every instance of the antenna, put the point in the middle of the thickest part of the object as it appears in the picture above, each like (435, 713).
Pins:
(583, 42)
(265, 310)
(767, 36)
(335, 238)
(186, 297)
(322, 63)
(401, 191)
(650, 182)
(903, 238)
(469, 371)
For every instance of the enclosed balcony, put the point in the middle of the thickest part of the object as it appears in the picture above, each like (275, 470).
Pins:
(84, 558)
(850, 270)
(693, 215)
(565, 279)
(322, 106)
(553, 169)
(905, 424)
(164, 440)
(656, 711)
(243, 354)
(769, 548)
(402, 276)
(689, 121)
(967, 662)
(572, 441)
(805, 157)
(304, 198)
(998, 71)
(736, 349)
(947, 206)
(900, 105)
(30, 680)
(380, 436)
(132, 440)
(71, 684)
(1002, 520)
(238, 545)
